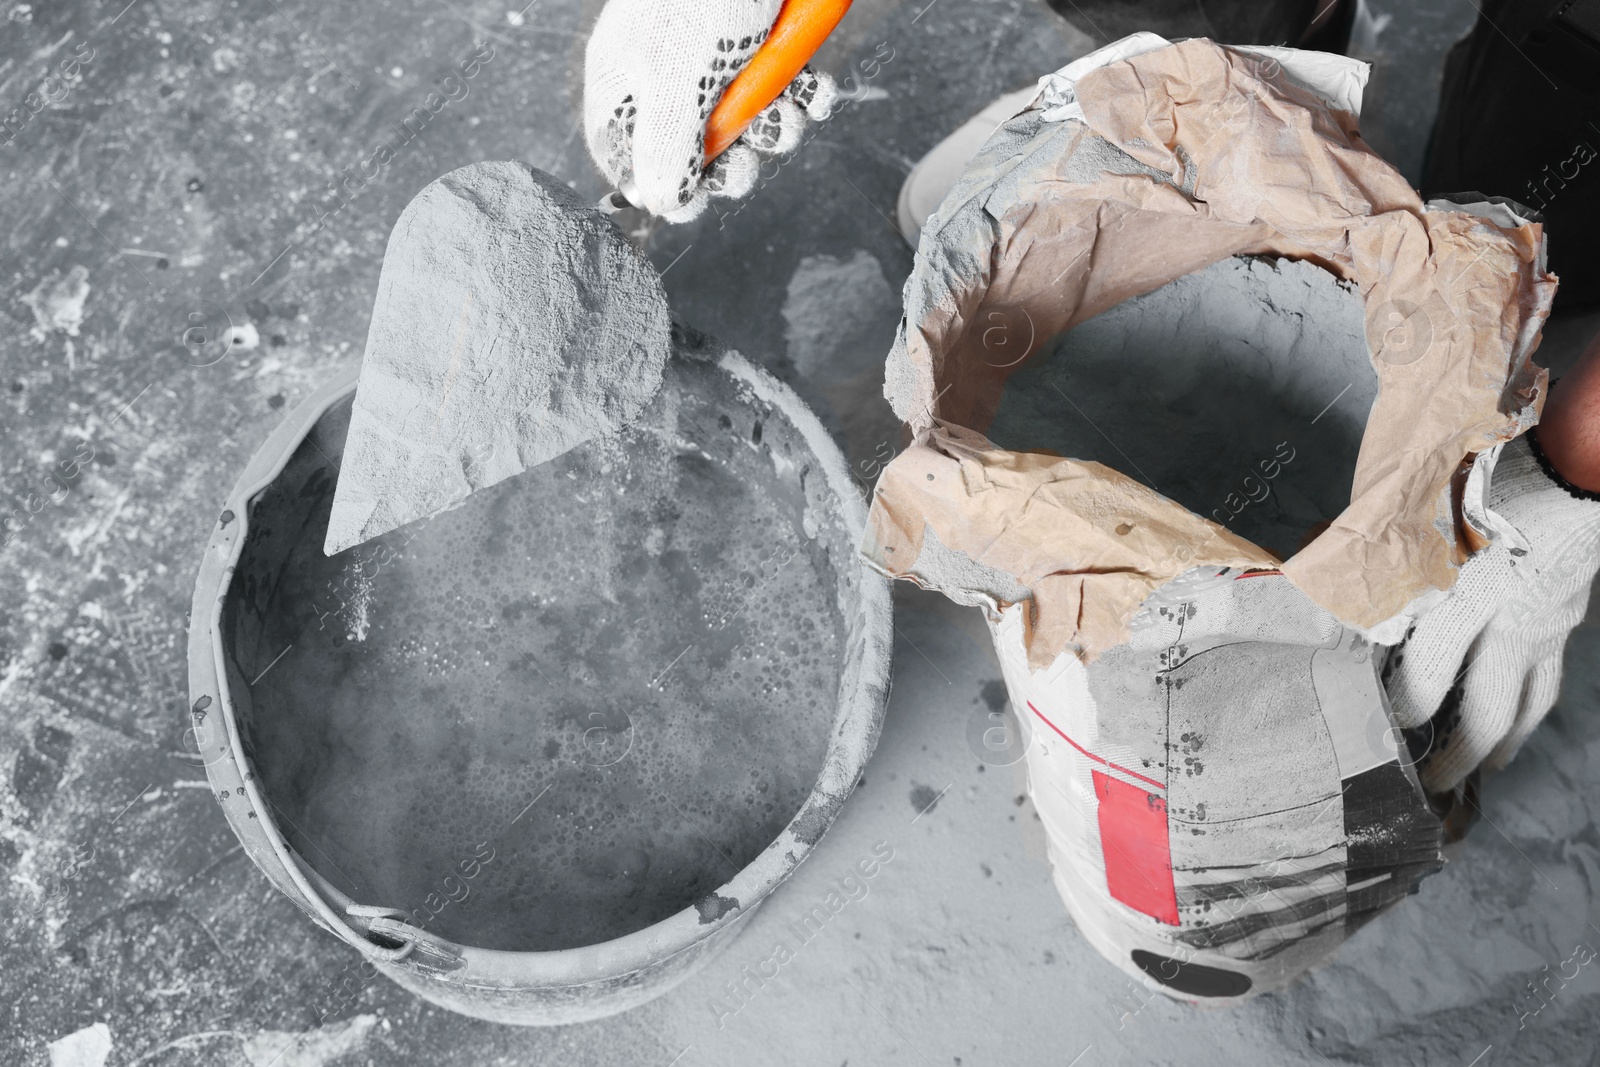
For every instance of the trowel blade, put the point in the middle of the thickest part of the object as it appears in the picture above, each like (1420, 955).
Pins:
(616, 201)
(513, 322)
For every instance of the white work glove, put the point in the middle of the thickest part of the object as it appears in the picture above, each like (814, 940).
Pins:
(653, 71)
(1502, 629)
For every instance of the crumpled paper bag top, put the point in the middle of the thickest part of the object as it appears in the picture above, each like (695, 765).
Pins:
(1184, 155)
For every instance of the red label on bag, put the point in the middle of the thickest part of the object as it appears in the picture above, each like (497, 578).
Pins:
(1133, 839)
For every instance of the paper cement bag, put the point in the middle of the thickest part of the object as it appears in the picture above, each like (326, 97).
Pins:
(1211, 753)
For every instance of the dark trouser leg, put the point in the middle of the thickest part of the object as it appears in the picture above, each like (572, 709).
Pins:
(1225, 21)
(1519, 116)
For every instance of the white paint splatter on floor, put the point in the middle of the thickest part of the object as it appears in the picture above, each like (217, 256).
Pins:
(88, 1047)
(312, 1048)
(57, 302)
(839, 316)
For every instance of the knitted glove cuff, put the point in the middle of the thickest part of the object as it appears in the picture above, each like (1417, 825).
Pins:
(1523, 474)
(1551, 472)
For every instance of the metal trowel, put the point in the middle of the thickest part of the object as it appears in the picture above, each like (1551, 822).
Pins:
(512, 323)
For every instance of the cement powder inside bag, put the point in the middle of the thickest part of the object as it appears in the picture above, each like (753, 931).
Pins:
(1240, 391)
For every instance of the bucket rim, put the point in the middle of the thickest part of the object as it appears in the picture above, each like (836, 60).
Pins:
(857, 722)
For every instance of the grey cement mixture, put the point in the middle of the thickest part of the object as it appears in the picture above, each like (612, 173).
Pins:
(1240, 391)
(566, 709)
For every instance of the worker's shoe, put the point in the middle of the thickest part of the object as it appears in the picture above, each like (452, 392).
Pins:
(925, 187)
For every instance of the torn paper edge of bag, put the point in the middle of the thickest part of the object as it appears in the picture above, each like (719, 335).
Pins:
(1155, 160)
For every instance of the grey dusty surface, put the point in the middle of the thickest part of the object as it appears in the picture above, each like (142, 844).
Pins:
(176, 194)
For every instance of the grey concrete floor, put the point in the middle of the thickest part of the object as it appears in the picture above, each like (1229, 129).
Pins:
(179, 177)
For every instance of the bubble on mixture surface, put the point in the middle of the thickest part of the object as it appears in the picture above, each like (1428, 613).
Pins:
(584, 693)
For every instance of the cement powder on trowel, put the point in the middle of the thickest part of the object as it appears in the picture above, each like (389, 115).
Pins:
(512, 323)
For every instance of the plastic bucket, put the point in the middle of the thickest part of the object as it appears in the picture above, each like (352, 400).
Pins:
(538, 757)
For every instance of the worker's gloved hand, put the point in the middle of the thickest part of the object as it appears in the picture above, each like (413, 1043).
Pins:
(1501, 632)
(653, 71)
